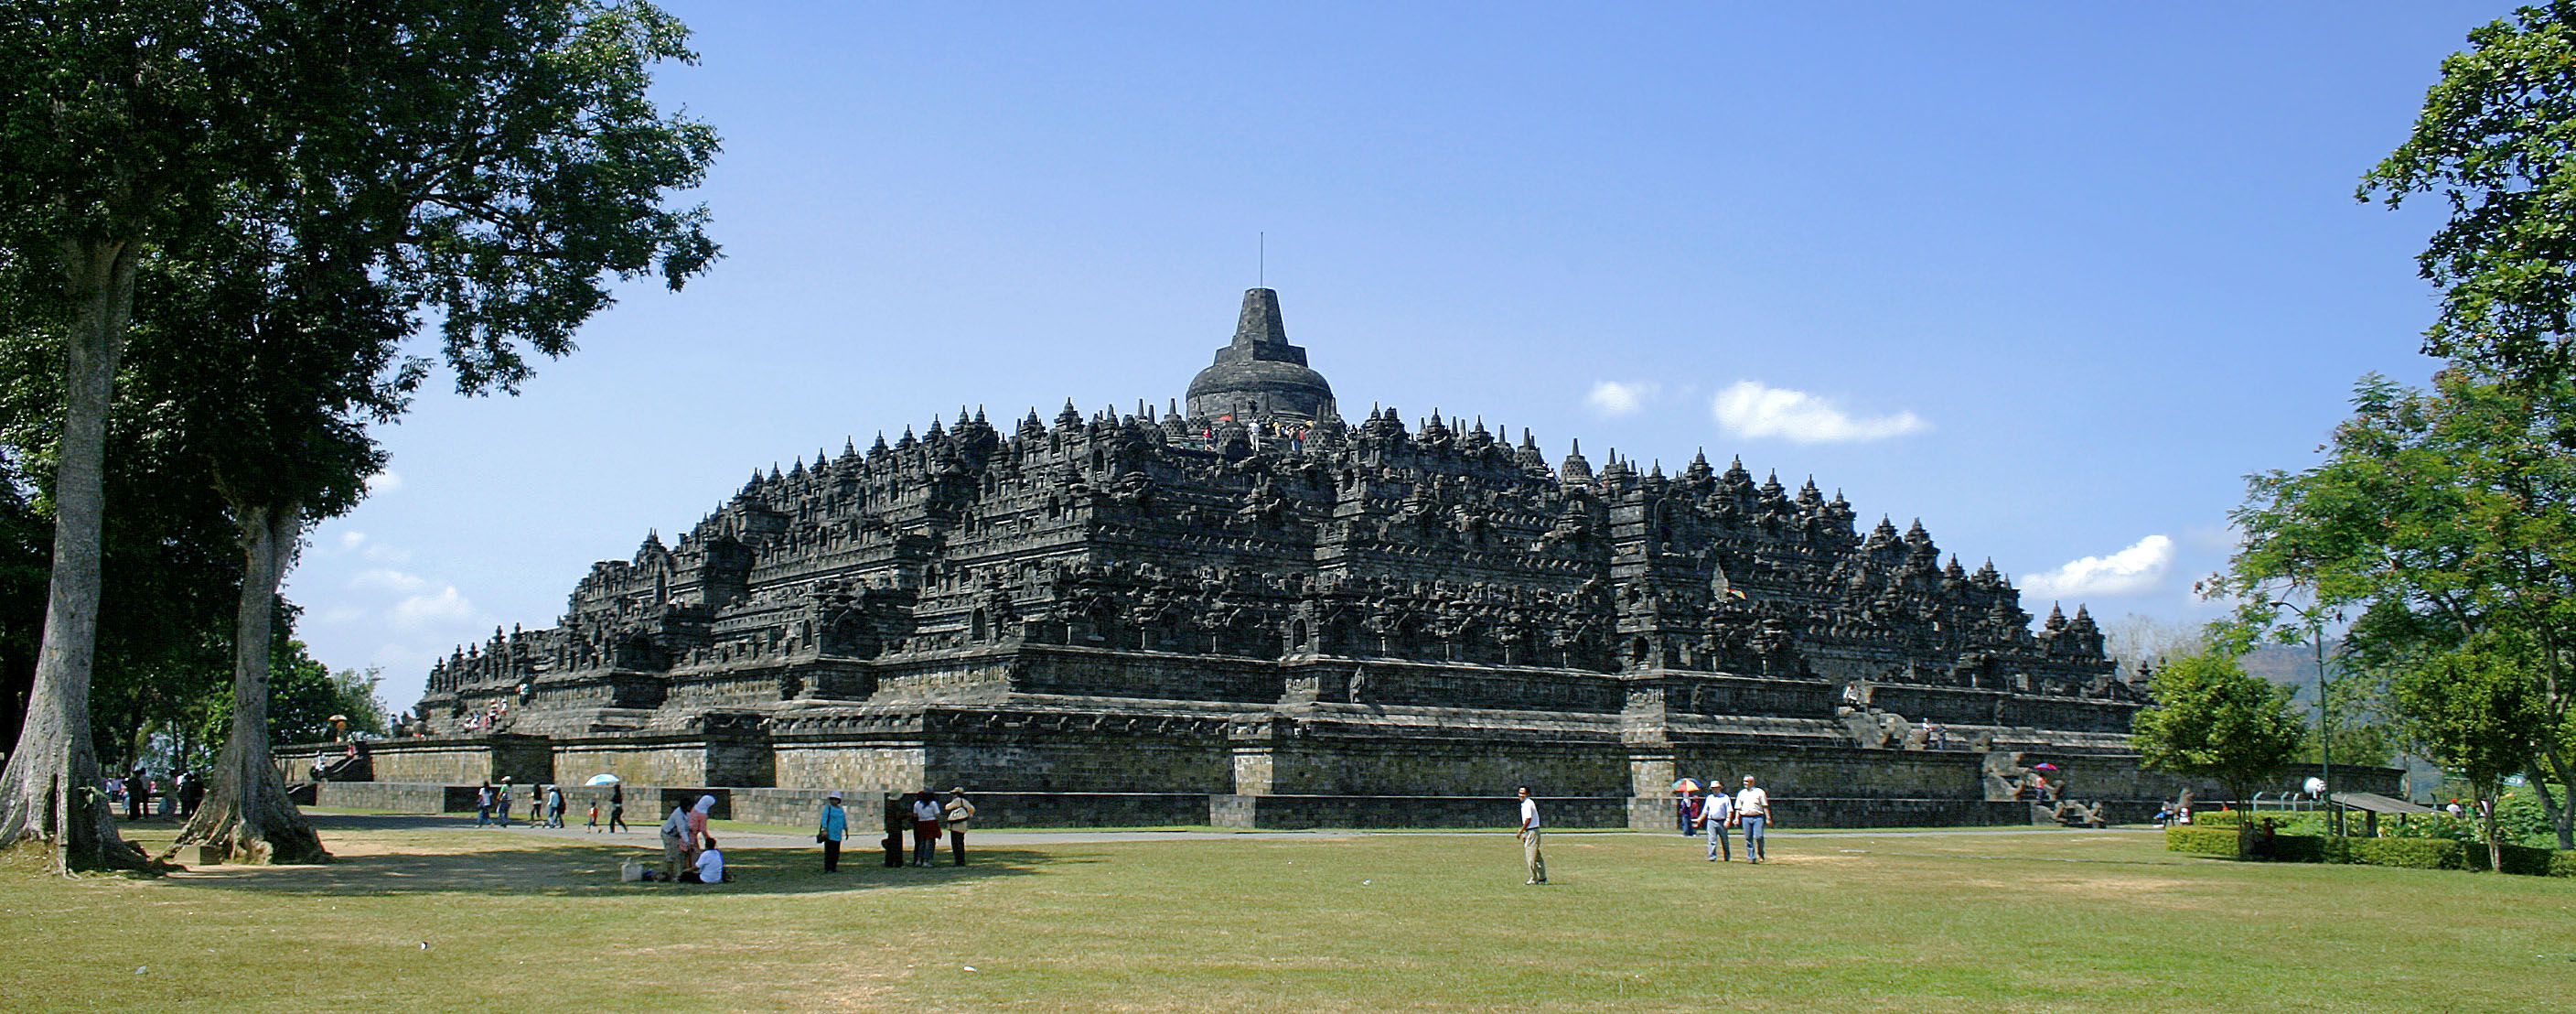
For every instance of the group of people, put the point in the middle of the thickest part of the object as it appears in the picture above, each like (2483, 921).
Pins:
(921, 813)
(546, 806)
(1717, 815)
(1720, 812)
(689, 853)
(136, 792)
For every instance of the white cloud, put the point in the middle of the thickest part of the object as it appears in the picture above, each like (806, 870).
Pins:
(387, 579)
(447, 607)
(1611, 397)
(340, 614)
(2130, 570)
(1752, 409)
(352, 539)
(383, 482)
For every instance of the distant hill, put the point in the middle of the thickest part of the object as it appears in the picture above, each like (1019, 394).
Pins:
(2290, 664)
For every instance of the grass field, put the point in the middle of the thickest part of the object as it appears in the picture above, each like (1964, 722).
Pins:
(1949, 922)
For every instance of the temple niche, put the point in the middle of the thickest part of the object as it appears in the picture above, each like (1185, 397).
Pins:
(1196, 599)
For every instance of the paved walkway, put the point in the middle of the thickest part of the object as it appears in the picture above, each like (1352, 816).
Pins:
(644, 836)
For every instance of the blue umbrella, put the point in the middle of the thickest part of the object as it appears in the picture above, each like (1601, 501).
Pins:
(602, 779)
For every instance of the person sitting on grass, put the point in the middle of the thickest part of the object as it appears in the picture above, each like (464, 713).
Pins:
(710, 869)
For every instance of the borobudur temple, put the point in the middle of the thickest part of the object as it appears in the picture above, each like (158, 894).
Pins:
(1250, 612)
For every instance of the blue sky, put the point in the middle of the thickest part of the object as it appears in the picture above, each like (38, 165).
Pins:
(2052, 278)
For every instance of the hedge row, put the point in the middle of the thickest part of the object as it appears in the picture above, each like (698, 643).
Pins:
(2405, 853)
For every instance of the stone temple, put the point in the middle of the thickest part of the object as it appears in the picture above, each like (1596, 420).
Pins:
(1252, 612)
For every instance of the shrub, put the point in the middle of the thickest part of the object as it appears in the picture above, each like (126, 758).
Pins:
(2201, 841)
(2527, 860)
(2407, 853)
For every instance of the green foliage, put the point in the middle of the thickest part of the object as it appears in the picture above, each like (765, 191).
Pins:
(2522, 820)
(2212, 720)
(2497, 140)
(2448, 517)
(2474, 710)
(2201, 841)
(303, 695)
(2408, 853)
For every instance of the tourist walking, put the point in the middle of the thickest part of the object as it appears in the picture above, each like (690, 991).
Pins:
(675, 842)
(1719, 814)
(554, 806)
(898, 819)
(956, 814)
(617, 808)
(1753, 810)
(138, 794)
(925, 828)
(834, 826)
(1686, 812)
(192, 794)
(501, 801)
(592, 826)
(483, 805)
(1529, 839)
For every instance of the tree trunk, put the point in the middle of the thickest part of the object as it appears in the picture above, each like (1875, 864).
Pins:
(2495, 846)
(2562, 818)
(51, 790)
(246, 813)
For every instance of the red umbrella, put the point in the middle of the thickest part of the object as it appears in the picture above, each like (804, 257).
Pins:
(2043, 766)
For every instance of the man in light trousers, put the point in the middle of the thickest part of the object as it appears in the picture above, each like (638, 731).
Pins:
(1529, 839)
(1753, 810)
(1719, 812)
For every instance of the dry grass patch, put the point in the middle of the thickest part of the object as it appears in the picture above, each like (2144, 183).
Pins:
(1926, 923)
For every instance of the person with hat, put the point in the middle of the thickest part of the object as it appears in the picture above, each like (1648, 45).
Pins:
(955, 815)
(835, 825)
(1753, 811)
(1719, 814)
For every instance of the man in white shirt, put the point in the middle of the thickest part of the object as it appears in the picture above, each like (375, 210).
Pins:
(1719, 811)
(1753, 810)
(1529, 839)
(710, 866)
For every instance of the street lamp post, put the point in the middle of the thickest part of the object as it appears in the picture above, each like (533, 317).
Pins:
(2325, 706)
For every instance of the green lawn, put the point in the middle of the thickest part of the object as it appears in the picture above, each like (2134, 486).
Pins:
(1951, 923)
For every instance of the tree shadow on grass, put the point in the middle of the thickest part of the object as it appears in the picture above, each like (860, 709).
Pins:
(592, 870)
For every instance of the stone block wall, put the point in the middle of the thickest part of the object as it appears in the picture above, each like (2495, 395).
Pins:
(999, 810)
(1090, 671)
(1834, 772)
(390, 797)
(1330, 766)
(457, 760)
(1503, 812)
(1089, 762)
(875, 767)
(1805, 812)
(1401, 684)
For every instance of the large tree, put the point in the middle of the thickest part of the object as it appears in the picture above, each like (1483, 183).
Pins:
(2448, 517)
(2214, 720)
(2475, 711)
(496, 166)
(119, 116)
(2496, 139)
(492, 164)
